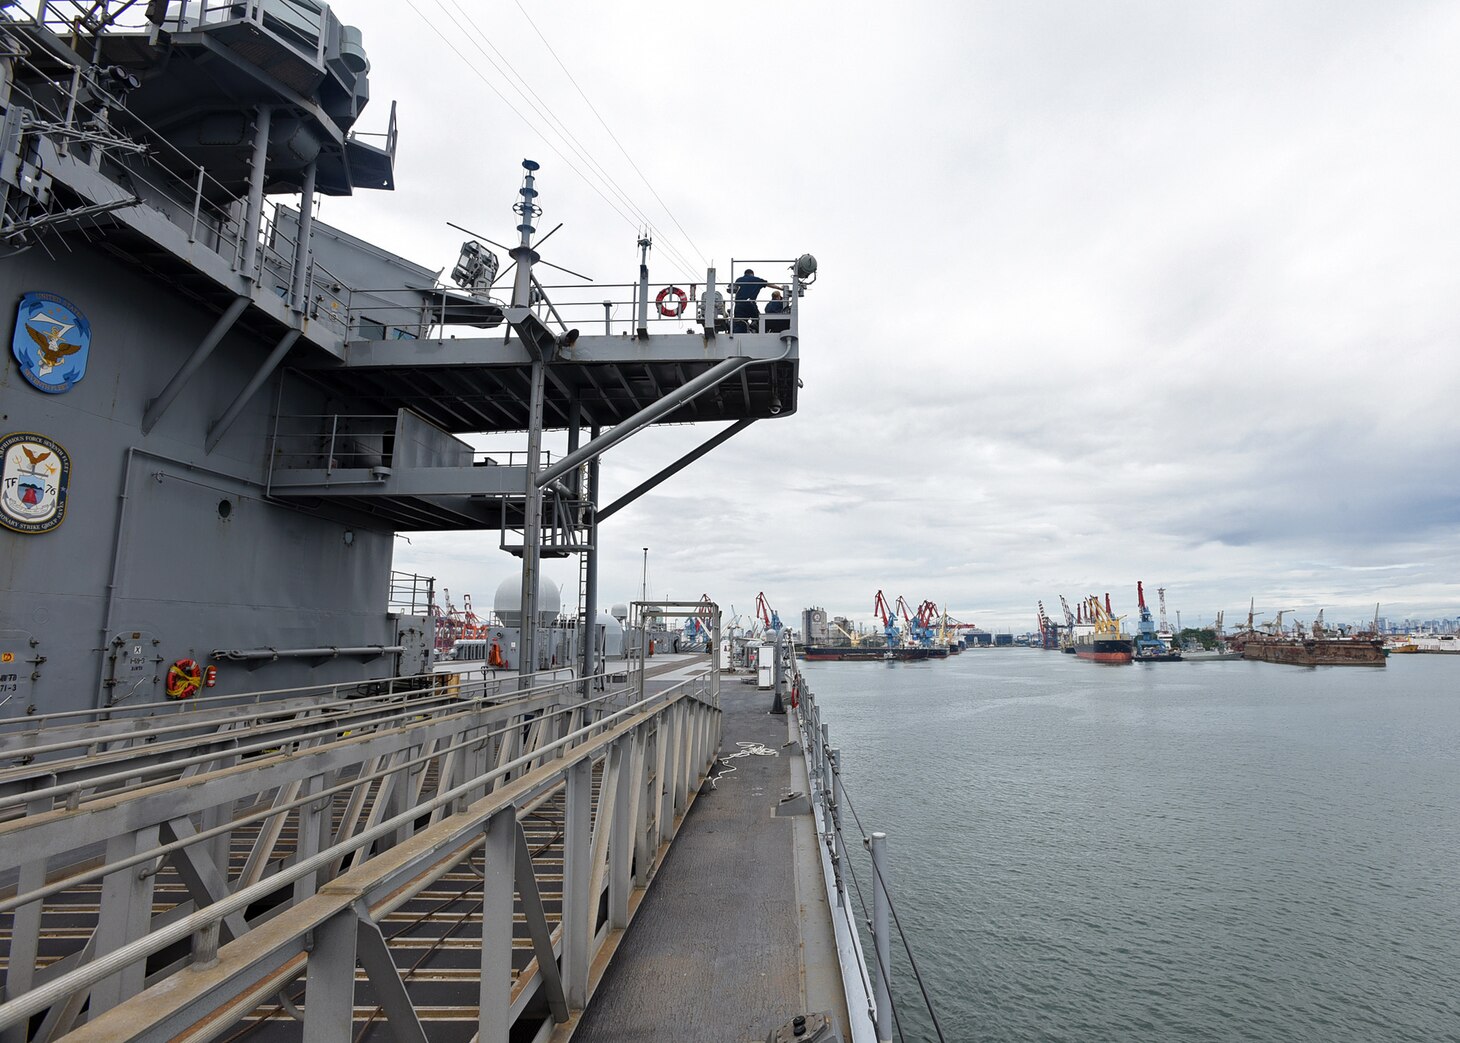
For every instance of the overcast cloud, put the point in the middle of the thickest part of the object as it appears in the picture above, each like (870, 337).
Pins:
(1108, 291)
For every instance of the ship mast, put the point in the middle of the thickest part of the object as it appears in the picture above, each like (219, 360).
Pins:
(524, 255)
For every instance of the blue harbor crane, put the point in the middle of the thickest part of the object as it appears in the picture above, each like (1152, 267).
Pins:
(767, 615)
(1148, 644)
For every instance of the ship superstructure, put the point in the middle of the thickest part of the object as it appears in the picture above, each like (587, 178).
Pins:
(266, 400)
(230, 769)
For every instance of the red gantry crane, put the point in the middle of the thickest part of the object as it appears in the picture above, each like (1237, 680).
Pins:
(884, 612)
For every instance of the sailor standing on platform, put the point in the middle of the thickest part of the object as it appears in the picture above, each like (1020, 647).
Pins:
(777, 307)
(747, 288)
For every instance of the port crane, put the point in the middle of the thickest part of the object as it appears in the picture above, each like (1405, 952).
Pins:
(697, 626)
(943, 632)
(914, 623)
(1106, 622)
(927, 617)
(884, 612)
(1049, 635)
(1069, 620)
(767, 615)
(1147, 641)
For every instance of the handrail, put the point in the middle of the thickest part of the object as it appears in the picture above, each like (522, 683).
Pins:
(98, 872)
(308, 915)
(450, 705)
(267, 700)
(830, 788)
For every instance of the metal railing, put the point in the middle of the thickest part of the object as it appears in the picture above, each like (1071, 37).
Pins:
(298, 24)
(411, 594)
(332, 442)
(341, 822)
(85, 113)
(612, 309)
(835, 817)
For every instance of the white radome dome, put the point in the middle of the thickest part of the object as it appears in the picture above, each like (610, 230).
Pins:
(508, 603)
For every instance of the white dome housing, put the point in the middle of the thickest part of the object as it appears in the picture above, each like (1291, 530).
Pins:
(508, 603)
(613, 636)
(620, 611)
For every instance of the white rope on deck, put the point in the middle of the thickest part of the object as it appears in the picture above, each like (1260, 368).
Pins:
(747, 749)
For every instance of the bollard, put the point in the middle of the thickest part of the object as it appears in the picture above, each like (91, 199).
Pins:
(881, 938)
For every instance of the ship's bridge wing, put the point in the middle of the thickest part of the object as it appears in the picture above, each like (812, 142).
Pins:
(481, 384)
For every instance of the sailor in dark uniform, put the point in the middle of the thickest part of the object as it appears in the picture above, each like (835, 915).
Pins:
(747, 288)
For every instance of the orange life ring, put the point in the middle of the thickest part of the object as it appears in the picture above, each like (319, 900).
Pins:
(184, 678)
(678, 301)
(494, 657)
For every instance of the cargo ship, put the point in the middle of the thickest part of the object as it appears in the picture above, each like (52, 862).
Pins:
(866, 654)
(1116, 649)
(1105, 642)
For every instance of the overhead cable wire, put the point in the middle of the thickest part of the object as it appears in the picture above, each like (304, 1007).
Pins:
(475, 36)
(479, 38)
(611, 134)
(628, 218)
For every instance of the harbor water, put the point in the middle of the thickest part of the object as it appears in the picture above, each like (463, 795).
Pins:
(1195, 851)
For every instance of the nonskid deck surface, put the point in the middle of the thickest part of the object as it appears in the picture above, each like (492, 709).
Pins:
(715, 952)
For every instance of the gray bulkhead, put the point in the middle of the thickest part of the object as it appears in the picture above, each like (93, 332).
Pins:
(159, 537)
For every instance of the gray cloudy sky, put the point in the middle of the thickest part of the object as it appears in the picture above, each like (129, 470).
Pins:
(1109, 291)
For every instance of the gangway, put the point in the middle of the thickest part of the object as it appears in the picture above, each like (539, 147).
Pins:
(229, 862)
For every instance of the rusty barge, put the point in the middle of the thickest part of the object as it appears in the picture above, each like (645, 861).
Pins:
(1314, 651)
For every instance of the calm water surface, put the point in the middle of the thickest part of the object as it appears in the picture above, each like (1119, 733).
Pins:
(1167, 851)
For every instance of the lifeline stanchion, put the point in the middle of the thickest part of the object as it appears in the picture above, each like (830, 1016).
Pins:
(881, 937)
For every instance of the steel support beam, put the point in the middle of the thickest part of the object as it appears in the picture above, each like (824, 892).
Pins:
(220, 427)
(673, 469)
(302, 241)
(499, 849)
(539, 931)
(200, 873)
(254, 214)
(200, 354)
(590, 580)
(329, 991)
(390, 988)
(532, 528)
(578, 906)
(650, 413)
